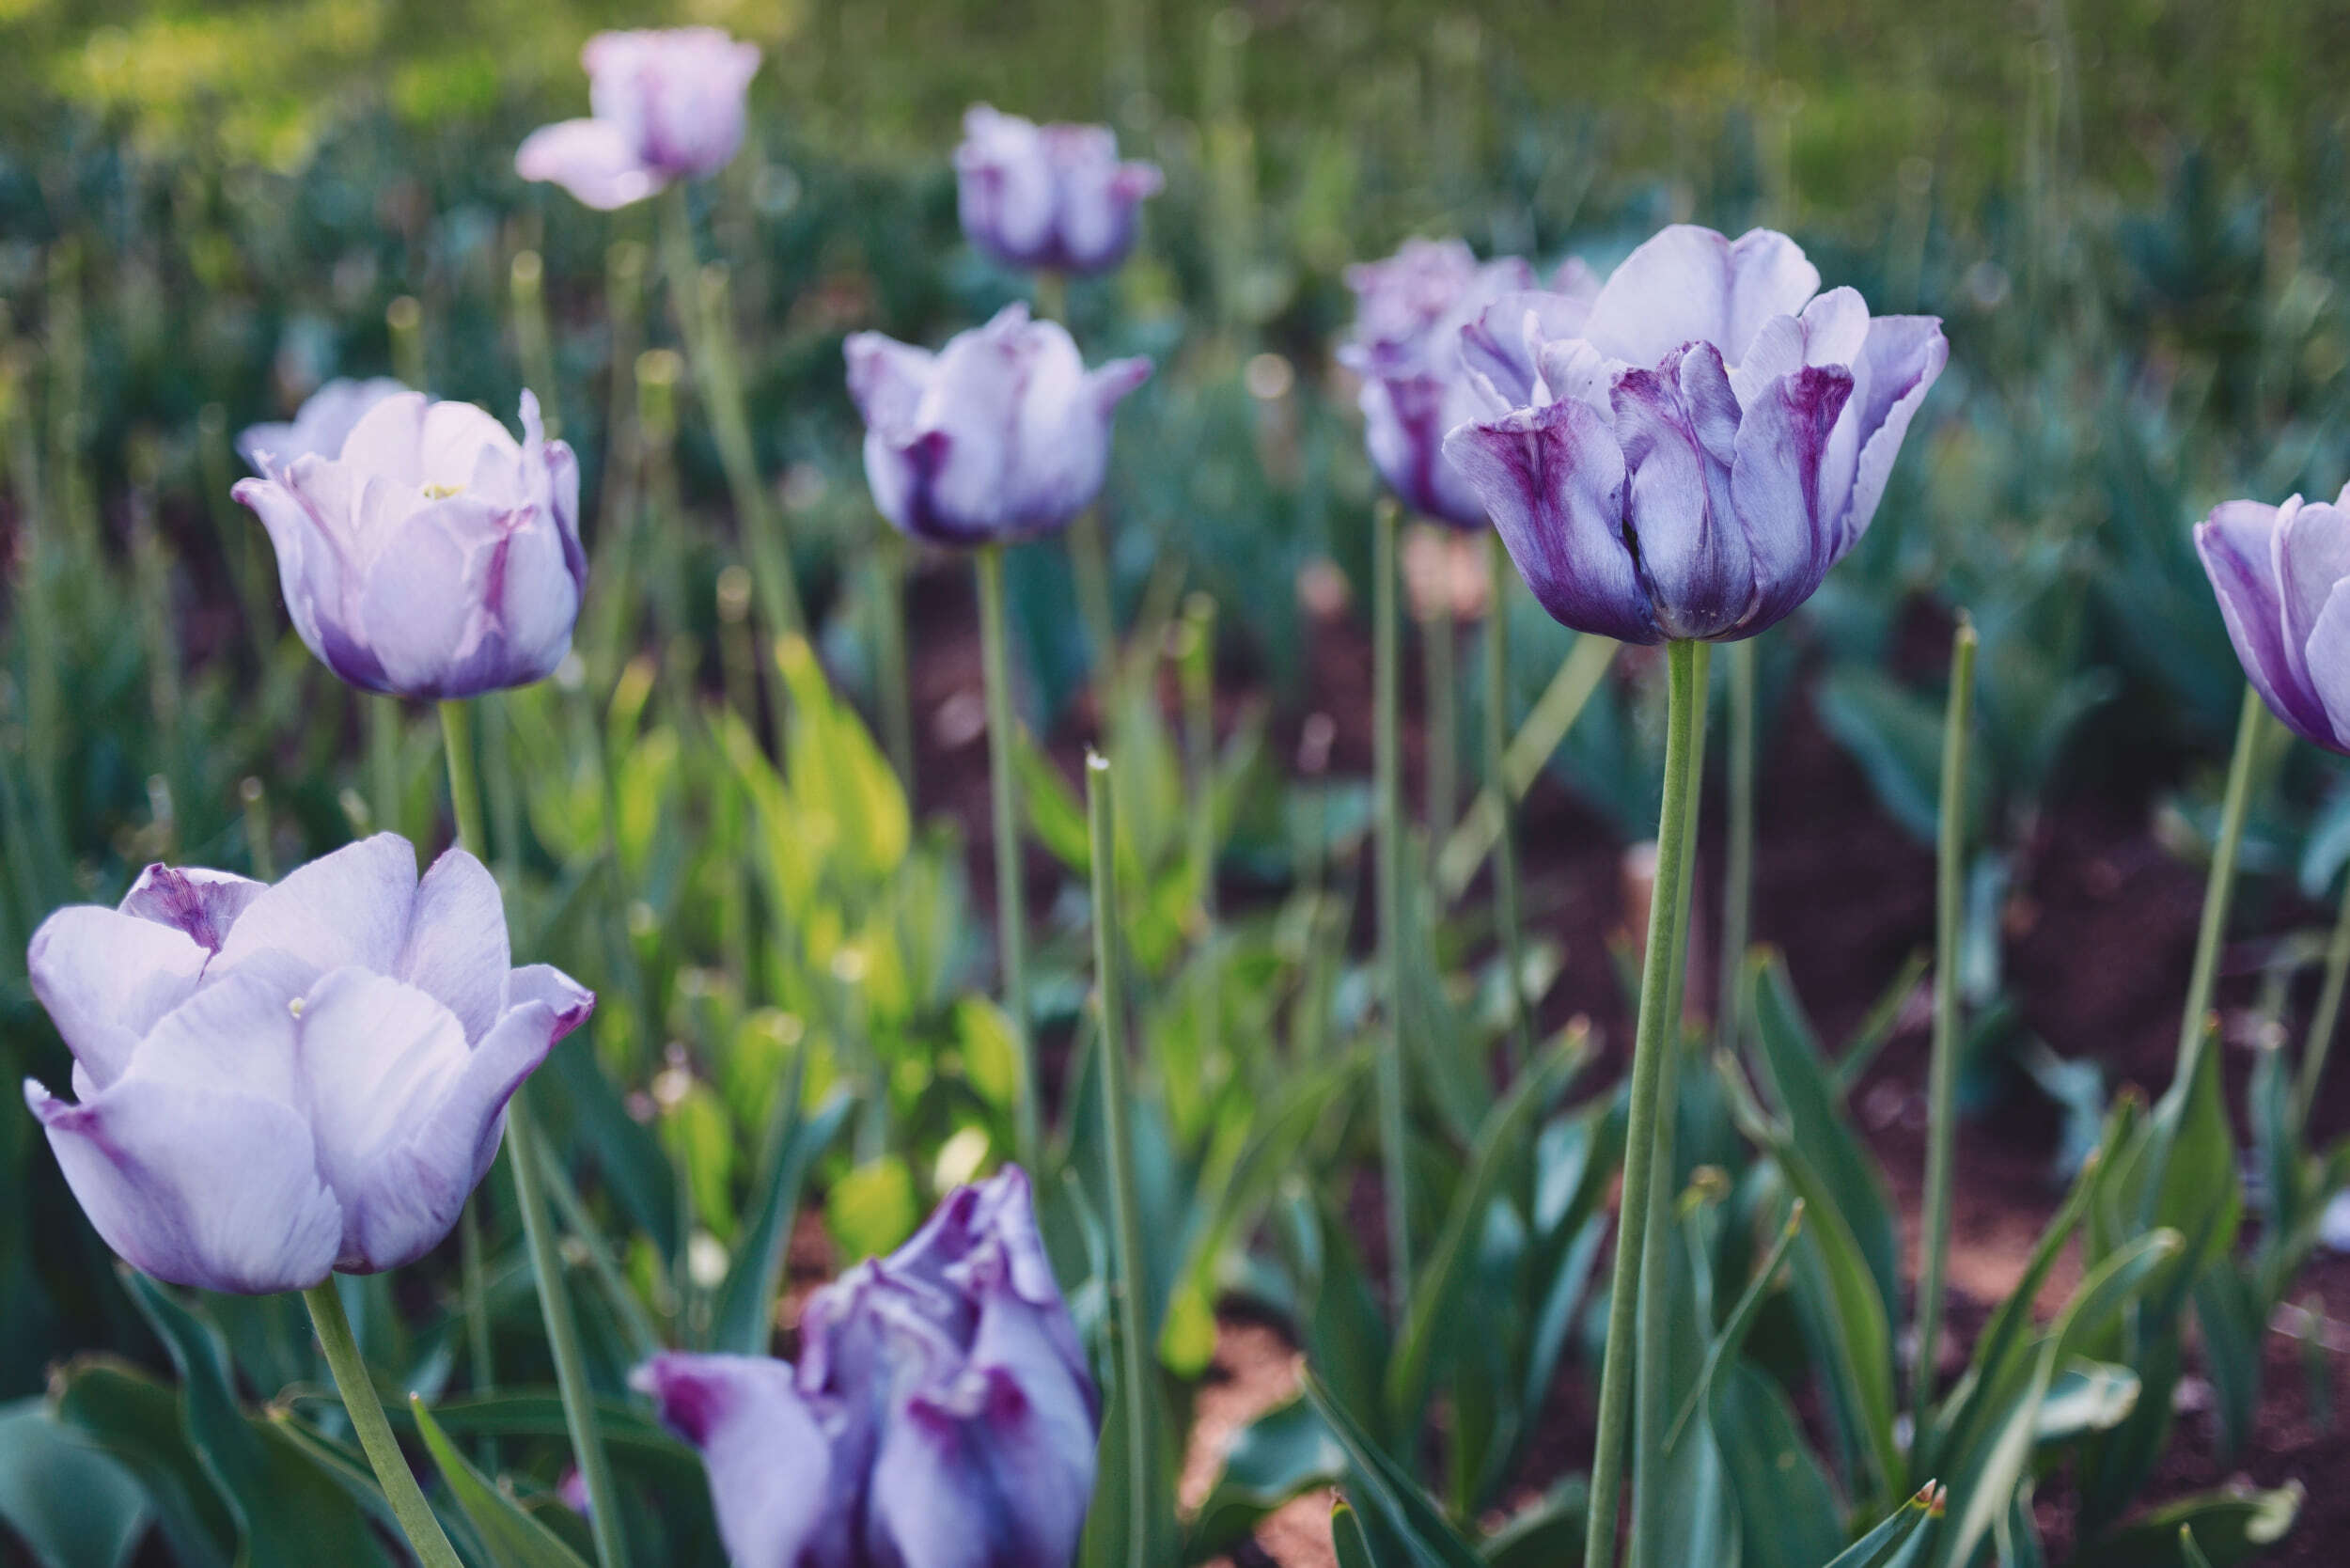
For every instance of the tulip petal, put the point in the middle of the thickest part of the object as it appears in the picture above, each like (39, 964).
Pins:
(593, 160)
(1688, 283)
(2328, 663)
(570, 1001)
(319, 428)
(747, 1416)
(424, 609)
(2236, 542)
(1501, 345)
(1692, 553)
(1776, 480)
(456, 950)
(106, 977)
(1552, 480)
(886, 379)
(350, 907)
(313, 562)
(1899, 362)
(200, 904)
(239, 1031)
(2311, 551)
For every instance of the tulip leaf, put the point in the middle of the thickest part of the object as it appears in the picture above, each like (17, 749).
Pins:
(1402, 1507)
(1787, 1512)
(743, 1324)
(1896, 1538)
(69, 1503)
(2084, 1397)
(513, 1538)
(1547, 1533)
(2228, 1528)
(1347, 1541)
(1281, 1454)
(135, 1418)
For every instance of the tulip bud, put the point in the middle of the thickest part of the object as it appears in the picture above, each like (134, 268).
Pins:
(1003, 434)
(319, 428)
(1691, 459)
(1053, 197)
(941, 1414)
(2279, 572)
(278, 1082)
(668, 104)
(434, 556)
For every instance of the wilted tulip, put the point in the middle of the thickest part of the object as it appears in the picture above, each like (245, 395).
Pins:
(319, 428)
(1693, 460)
(435, 556)
(668, 105)
(941, 1414)
(2280, 574)
(277, 1082)
(1410, 312)
(1002, 434)
(1053, 197)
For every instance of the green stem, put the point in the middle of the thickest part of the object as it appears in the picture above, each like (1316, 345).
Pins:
(1738, 848)
(523, 1156)
(533, 342)
(1444, 728)
(1116, 1112)
(1089, 565)
(385, 719)
(1652, 1397)
(1949, 890)
(1199, 684)
(424, 1532)
(1499, 573)
(2221, 886)
(889, 656)
(1011, 914)
(1388, 808)
(1659, 1020)
(2322, 1022)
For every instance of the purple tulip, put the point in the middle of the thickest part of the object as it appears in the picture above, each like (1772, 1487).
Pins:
(319, 428)
(2281, 575)
(1050, 196)
(278, 1082)
(941, 1414)
(1693, 460)
(1411, 311)
(668, 105)
(1002, 434)
(435, 556)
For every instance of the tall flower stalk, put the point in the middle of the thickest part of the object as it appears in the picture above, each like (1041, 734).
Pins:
(1737, 848)
(1012, 903)
(2220, 888)
(1388, 745)
(1508, 911)
(352, 1380)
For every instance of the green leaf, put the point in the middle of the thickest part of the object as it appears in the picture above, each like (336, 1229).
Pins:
(135, 1418)
(1347, 1541)
(1787, 1515)
(2228, 1528)
(2188, 1551)
(514, 1539)
(1403, 1507)
(2084, 1397)
(1281, 1454)
(1546, 1534)
(1890, 1542)
(72, 1505)
(1732, 1338)
(873, 1208)
(744, 1322)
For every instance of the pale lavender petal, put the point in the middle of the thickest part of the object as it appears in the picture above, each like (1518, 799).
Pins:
(456, 950)
(781, 1501)
(350, 907)
(2308, 553)
(313, 571)
(1776, 480)
(424, 609)
(1502, 342)
(105, 978)
(2237, 543)
(1900, 361)
(1688, 283)
(570, 1001)
(2328, 663)
(1692, 551)
(319, 428)
(886, 379)
(236, 1033)
(592, 160)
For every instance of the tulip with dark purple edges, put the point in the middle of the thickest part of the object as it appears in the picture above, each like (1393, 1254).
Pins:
(2283, 576)
(668, 105)
(1055, 198)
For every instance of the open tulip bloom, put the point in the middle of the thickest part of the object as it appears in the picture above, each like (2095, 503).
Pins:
(319, 428)
(2281, 575)
(1049, 197)
(1410, 310)
(668, 105)
(941, 1414)
(433, 555)
(1003, 434)
(1690, 459)
(277, 1082)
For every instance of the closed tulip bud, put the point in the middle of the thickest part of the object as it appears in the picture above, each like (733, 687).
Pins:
(319, 428)
(277, 1082)
(941, 1414)
(2281, 575)
(668, 105)
(434, 556)
(1052, 197)
(1693, 459)
(1410, 313)
(1003, 434)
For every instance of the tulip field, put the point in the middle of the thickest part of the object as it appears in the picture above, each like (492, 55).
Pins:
(1299, 785)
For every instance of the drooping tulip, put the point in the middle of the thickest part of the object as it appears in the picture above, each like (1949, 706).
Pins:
(1050, 196)
(1411, 311)
(1691, 462)
(668, 105)
(2283, 576)
(1003, 434)
(319, 428)
(277, 1082)
(941, 1414)
(435, 556)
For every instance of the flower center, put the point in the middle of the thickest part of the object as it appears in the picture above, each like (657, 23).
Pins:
(440, 492)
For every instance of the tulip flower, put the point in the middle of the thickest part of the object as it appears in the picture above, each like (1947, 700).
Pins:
(2279, 572)
(941, 1413)
(1692, 460)
(668, 105)
(1411, 312)
(1049, 197)
(274, 1083)
(1001, 435)
(319, 428)
(435, 556)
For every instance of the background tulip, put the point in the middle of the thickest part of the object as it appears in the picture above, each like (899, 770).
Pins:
(1411, 310)
(435, 556)
(2279, 572)
(1002, 434)
(668, 105)
(1715, 438)
(277, 1082)
(941, 1414)
(1053, 197)
(319, 428)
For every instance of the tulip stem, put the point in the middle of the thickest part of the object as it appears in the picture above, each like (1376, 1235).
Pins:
(1654, 1038)
(889, 654)
(1117, 1112)
(1386, 743)
(385, 720)
(1499, 573)
(1197, 671)
(1011, 914)
(1738, 848)
(2328, 1010)
(1436, 637)
(1949, 890)
(1087, 546)
(523, 1156)
(2221, 886)
(417, 1521)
